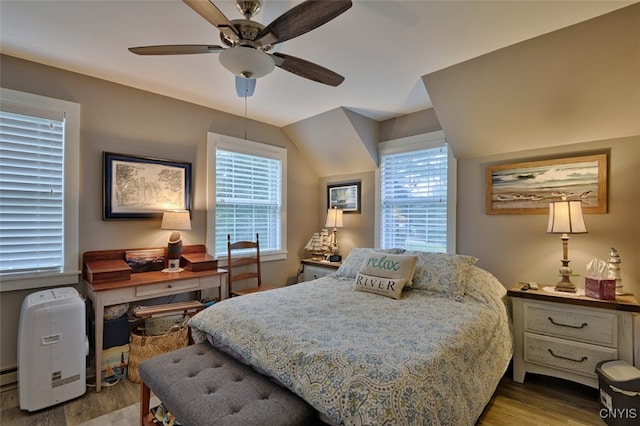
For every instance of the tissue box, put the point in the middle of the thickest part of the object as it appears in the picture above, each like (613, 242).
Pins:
(604, 289)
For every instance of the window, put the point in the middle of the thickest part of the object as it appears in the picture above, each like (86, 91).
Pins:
(248, 194)
(417, 194)
(38, 191)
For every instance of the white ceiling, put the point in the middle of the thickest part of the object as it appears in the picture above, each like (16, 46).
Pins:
(382, 47)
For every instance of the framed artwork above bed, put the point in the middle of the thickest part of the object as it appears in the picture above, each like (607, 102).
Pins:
(529, 187)
(142, 187)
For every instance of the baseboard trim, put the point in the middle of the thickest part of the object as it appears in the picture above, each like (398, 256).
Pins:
(9, 377)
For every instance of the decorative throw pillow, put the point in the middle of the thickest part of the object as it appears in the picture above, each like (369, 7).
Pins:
(385, 273)
(353, 262)
(390, 287)
(441, 272)
(386, 265)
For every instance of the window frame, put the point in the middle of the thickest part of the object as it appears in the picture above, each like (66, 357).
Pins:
(42, 106)
(414, 143)
(215, 141)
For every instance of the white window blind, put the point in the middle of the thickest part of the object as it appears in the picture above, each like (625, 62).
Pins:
(248, 199)
(413, 196)
(31, 193)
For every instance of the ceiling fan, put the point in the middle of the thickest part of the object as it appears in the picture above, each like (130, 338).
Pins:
(247, 45)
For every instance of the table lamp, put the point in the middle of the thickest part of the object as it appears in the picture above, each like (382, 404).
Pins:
(175, 220)
(565, 217)
(334, 219)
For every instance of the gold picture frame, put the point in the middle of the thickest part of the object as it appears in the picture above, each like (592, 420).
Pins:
(529, 187)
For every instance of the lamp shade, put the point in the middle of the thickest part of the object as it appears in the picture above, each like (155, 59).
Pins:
(334, 218)
(247, 62)
(565, 217)
(178, 220)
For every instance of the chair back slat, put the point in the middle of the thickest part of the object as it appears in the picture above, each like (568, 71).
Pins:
(245, 276)
(248, 260)
(243, 261)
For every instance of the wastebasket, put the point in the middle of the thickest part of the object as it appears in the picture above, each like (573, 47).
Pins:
(619, 384)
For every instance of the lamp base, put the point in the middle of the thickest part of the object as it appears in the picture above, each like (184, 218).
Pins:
(174, 266)
(565, 285)
(568, 288)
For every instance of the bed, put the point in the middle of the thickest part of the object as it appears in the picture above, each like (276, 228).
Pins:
(433, 356)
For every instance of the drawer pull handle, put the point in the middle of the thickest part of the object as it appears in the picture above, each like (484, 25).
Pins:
(583, 359)
(583, 325)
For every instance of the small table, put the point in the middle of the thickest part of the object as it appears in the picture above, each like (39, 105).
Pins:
(564, 335)
(314, 269)
(141, 286)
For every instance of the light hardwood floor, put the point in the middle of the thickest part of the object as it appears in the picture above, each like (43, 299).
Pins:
(539, 401)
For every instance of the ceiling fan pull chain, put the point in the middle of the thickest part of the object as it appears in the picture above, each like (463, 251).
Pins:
(245, 115)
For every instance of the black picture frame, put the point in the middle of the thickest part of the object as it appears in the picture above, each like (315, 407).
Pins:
(345, 196)
(143, 187)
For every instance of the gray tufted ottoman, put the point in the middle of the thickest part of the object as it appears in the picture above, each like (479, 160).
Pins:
(203, 386)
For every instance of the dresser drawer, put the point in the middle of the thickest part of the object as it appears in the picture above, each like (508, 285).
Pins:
(573, 357)
(312, 272)
(583, 325)
(170, 287)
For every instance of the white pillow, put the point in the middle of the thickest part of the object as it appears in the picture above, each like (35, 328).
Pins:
(386, 265)
(353, 262)
(390, 287)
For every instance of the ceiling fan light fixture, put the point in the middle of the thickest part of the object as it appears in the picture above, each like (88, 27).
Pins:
(247, 62)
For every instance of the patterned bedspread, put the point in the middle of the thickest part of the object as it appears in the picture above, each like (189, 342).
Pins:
(365, 359)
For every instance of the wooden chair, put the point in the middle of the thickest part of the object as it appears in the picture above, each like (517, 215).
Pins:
(250, 263)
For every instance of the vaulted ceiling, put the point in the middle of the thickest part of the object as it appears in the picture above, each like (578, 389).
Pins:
(492, 70)
(381, 47)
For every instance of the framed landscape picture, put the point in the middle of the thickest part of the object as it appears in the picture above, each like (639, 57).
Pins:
(345, 196)
(142, 188)
(528, 188)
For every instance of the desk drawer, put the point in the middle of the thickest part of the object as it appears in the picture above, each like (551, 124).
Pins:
(584, 325)
(171, 287)
(210, 282)
(574, 357)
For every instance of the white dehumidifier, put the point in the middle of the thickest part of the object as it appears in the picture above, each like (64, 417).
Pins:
(52, 346)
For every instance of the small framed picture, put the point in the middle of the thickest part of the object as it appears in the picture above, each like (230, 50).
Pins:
(143, 188)
(345, 196)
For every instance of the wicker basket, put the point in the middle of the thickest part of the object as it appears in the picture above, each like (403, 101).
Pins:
(145, 347)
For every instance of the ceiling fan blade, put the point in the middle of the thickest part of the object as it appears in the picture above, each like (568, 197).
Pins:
(211, 13)
(307, 69)
(175, 49)
(245, 86)
(301, 19)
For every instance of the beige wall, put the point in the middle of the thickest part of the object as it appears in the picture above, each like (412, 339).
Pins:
(569, 92)
(358, 230)
(577, 84)
(121, 119)
(517, 247)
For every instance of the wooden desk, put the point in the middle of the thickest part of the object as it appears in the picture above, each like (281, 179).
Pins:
(141, 286)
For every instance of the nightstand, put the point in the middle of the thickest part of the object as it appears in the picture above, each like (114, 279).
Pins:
(314, 269)
(564, 335)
